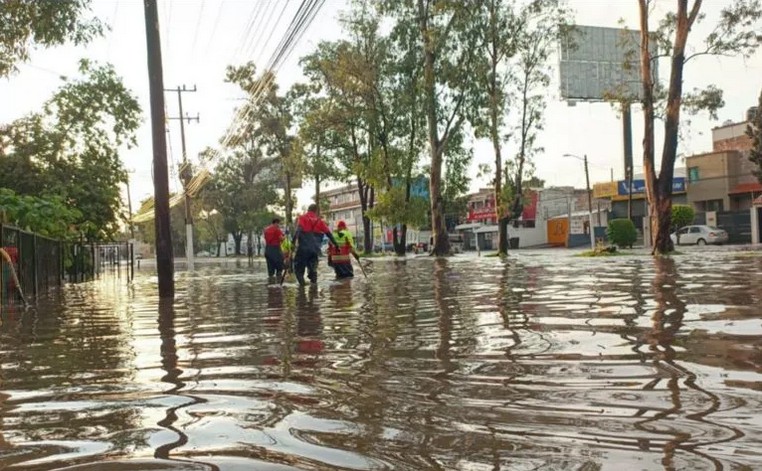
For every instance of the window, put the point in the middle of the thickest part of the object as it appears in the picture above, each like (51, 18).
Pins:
(695, 230)
(693, 174)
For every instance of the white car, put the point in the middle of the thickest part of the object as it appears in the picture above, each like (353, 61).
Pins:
(699, 235)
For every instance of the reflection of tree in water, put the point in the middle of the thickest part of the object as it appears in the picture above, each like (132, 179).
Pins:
(667, 320)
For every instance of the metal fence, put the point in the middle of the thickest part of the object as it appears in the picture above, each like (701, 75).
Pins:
(736, 223)
(41, 263)
(37, 262)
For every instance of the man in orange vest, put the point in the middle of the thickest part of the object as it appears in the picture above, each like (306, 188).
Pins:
(308, 239)
(340, 255)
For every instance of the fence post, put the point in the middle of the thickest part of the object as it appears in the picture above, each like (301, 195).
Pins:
(35, 270)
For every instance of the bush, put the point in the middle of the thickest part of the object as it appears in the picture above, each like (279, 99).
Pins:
(682, 216)
(621, 232)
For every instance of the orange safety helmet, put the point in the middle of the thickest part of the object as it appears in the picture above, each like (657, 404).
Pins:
(341, 225)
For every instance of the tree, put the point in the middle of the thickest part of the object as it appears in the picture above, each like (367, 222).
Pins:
(754, 131)
(44, 23)
(47, 217)
(70, 149)
(242, 191)
(444, 33)
(733, 34)
(682, 215)
(267, 123)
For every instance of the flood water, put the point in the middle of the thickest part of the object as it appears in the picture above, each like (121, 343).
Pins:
(544, 362)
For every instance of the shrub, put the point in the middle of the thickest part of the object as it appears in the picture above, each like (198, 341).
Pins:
(682, 216)
(621, 232)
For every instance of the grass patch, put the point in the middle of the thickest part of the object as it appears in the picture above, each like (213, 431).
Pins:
(594, 253)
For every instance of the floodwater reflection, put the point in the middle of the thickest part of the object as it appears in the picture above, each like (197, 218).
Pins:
(543, 361)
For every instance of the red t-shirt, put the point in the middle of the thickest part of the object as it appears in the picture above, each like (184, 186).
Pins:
(310, 222)
(273, 235)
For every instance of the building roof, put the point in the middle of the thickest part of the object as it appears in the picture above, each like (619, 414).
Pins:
(575, 214)
(757, 201)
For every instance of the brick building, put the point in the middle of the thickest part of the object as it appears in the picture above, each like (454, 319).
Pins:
(722, 180)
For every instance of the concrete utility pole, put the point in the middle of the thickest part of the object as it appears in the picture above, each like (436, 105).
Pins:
(589, 207)
(186, 174)
(129, 206)
(627, 140)
(164, 259)
(589, 199)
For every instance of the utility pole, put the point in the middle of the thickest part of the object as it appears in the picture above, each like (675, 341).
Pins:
(186, 174)
(164, 259)
(129, 207)
(627, 139)
(589, 207)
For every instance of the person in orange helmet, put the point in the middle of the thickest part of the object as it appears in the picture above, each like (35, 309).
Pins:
(340, 254)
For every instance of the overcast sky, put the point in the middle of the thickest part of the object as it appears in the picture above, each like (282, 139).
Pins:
(199, 38)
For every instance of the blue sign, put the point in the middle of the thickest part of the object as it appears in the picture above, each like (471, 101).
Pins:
(639, 186)
(419, 187)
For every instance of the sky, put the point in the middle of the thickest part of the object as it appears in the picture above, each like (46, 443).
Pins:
(201, 37)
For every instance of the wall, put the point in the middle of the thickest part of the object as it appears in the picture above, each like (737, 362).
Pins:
(528, 237)
(731, 137)
(713, 182)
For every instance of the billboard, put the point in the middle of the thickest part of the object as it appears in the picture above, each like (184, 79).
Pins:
(605, 189)
(639, 186)
(597, 63)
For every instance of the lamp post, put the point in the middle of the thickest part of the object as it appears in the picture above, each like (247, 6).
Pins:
(589, 199)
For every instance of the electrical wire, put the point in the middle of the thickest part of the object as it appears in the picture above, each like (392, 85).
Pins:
(198, 26)
(301, 21)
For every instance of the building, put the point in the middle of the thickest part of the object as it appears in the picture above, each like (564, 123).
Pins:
(344, 205)
(539, 222)
(722, 180)
(617, 194)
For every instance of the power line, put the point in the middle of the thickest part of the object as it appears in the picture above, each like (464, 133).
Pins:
(198, 25)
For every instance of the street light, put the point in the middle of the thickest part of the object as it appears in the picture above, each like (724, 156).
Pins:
(589, 199)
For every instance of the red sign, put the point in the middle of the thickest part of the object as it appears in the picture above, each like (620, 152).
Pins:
(483, 213)
(530, 208)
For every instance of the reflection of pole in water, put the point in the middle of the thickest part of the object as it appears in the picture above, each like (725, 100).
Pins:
(169, 363)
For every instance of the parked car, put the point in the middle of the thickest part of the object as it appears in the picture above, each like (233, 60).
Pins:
(699, 235)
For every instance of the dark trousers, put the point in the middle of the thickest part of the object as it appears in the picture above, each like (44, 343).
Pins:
(305, 260)
(343, 270)
(274, 259)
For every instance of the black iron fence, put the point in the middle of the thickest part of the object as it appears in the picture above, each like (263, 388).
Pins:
(31, 264)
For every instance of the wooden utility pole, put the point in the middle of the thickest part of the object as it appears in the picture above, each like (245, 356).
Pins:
(164, 258)
(186, 174)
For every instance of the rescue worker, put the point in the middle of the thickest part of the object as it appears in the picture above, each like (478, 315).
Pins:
(340, 254)
(309, 239)
(273, 254)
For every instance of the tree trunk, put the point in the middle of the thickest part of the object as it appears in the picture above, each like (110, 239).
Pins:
(500, 207)
(289, 201)
(441, 245)
(648, 121)
(237, 236)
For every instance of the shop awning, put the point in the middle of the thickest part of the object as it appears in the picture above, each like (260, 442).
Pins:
(741, 188)
(757, 201)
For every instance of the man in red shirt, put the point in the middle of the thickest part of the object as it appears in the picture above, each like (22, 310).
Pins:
(309, 240)
(273, 253)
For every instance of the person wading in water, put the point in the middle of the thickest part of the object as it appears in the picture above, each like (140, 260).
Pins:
(339, 255)
(309, 239)
(273, 253)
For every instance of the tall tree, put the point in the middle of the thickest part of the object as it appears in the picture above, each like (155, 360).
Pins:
(734, 34)
(26, 24)
(267, 125)
(754, 131)
(445, 33)
(515, 44)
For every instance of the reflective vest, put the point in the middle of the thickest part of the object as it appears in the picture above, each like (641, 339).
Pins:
(341, 255)
(285, 247)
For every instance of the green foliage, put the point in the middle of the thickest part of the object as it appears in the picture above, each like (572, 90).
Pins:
(754, 131)
(395, 207)
(47, 23)
(621, 232)
(267, 130)
(682, 215)
(47, 217)
(70, 149)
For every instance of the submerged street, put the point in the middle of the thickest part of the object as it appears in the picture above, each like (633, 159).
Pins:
(545, 361)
